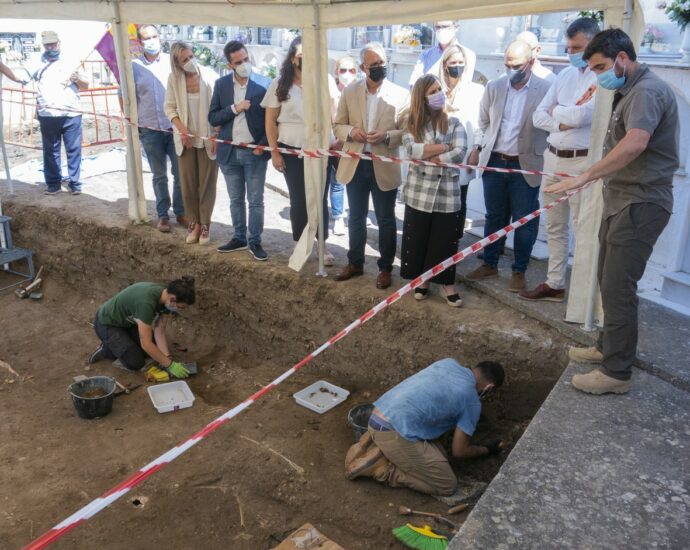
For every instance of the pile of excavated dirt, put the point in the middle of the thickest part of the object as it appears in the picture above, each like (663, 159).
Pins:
(277, 465)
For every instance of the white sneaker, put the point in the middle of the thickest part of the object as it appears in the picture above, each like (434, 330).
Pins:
(339, 226)
(328, 259)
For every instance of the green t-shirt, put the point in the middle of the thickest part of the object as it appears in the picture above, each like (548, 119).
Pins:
(140, 301)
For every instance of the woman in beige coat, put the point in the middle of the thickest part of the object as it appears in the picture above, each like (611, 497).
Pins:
(187, 101)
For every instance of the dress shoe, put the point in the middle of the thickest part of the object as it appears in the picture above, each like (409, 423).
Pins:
(163, 225)
(384, 279)
(348, 272)
(371, 464)
(585, 355)
(358, 449)
(597, 383)
(482, 272)
(517, 282)
(544, 293)
(182, 220)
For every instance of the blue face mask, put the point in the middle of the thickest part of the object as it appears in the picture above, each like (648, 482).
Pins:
(576, 60)
(52, 55)
(609, 80)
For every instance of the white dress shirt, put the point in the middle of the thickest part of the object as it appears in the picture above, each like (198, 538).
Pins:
(372, 103)
(508, 133)
(240, 129)
(570, 86)
(543, 72)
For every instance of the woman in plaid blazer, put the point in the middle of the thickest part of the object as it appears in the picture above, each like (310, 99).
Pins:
(432, 195)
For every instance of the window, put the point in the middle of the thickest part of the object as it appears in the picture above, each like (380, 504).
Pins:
(265, 35)
(361, 36)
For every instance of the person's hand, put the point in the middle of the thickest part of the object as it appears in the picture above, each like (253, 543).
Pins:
(376, 137)
(565, 185)
(563, 127)
(23, 82)
(186, 140)
(473, 159)
(358, 135)
(278, 161)
(437, 158)
(257, 152)
(214, 145)
(178, 370)
(551, 109)
(243, 105)
(494, 447)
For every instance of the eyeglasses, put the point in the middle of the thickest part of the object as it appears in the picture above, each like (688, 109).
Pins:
(441, 27)
(351, 71)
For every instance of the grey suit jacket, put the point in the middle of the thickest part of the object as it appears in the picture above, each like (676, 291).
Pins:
(531, 142)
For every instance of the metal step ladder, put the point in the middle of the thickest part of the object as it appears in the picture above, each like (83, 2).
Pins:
(9, 254)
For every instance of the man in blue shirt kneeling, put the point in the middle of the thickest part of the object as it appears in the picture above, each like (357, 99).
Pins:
(401, 448)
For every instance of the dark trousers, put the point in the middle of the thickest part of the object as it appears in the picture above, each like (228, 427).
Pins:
(463, 209)
(626, 240)
(428, 239)
(121, 343)
(294, 178)
(501, 190)
(55, 130)
(362, 185)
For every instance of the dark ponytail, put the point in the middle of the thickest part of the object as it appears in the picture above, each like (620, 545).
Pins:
(183, 289)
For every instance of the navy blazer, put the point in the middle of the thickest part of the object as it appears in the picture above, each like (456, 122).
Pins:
(220, 112)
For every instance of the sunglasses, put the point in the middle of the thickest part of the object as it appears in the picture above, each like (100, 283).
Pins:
(343, 71)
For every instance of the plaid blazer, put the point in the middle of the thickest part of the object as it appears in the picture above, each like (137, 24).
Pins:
(432, 188)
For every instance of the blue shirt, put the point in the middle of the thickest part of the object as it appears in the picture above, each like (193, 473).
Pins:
(437, 399)
(150, 80)
(429, 57)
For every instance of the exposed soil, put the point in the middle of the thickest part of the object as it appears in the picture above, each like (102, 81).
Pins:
(274, 467)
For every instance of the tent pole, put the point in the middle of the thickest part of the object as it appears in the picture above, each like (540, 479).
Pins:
(319, 104)
(10, 184)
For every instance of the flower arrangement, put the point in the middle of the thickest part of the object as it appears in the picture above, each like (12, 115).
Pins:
(597, 15)
(677, 11)
(290, 34)
(407, 36)
(206, 57)
(269, 69)
(651, 35)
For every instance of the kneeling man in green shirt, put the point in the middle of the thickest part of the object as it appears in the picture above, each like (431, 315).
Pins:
(131, 325)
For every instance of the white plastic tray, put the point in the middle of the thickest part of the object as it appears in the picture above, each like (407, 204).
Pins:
(171, 396)
(321, 396)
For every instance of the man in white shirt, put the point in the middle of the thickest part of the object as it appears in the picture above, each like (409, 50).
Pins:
(566, 113)
(58, 85)
(538, 69)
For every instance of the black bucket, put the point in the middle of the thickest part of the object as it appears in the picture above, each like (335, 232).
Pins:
(93, 397)
(358, 419)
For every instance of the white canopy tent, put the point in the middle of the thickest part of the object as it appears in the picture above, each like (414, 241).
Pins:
(314, 17)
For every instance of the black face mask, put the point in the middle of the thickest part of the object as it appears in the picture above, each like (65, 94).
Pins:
(377, 74)
(456, 71)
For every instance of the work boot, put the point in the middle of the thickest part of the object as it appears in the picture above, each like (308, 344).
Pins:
(358, 449)
(597, 383)
(517, 282)
(164, 225)
(371, 464)
(482, 272)
(585, 355)
(544, 293)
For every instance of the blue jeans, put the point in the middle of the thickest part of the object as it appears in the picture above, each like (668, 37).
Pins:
(245, 173)
(501, 190)
(55, 130)
(337, 194)
(362, 185)
(159, 146)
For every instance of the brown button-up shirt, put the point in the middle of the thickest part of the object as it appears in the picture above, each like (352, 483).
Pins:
(645, 102)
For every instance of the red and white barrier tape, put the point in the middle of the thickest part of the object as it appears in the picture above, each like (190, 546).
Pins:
(147, 471)
(321, 153)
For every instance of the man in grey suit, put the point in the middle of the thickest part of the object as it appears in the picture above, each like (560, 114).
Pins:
(510, 140)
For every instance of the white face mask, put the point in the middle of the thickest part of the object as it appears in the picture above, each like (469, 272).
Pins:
(446, 35)
(190, 66)
(347, 78)
(244, 70)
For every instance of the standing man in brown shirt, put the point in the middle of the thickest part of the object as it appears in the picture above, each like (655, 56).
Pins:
(641, 156)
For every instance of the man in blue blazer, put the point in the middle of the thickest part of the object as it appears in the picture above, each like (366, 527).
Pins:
(236, 108)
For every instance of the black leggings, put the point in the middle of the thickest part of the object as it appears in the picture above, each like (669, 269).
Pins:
(121, 343)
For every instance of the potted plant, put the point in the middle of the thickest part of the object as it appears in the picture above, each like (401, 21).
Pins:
(406, 38)
(678, 11)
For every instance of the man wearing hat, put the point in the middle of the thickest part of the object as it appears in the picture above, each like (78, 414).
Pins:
(57, 100)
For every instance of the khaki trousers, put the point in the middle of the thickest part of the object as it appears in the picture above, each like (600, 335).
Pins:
(558, 217)
(198, 176)
(419, 465)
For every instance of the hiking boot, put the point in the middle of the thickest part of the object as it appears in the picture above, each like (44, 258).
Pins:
(233, 246)
(585, 355)
(597, 383)
(482, 272)
(205, 235)
(517, 282)
(371, 464)
(258, 252)
(163, 225)
(358, 449)
(97, 355)
(544, 293)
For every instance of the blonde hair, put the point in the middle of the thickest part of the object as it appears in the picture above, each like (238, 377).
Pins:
(449, 52)
(420, 113)
(175, 50)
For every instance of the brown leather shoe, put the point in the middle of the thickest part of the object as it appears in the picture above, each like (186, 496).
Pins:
(544, 293)
(372, 464)
(359, 448)
(384, 279)
(348, 272)
(517, 282)
(482, 272)
(182, 220)
(163, 225)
